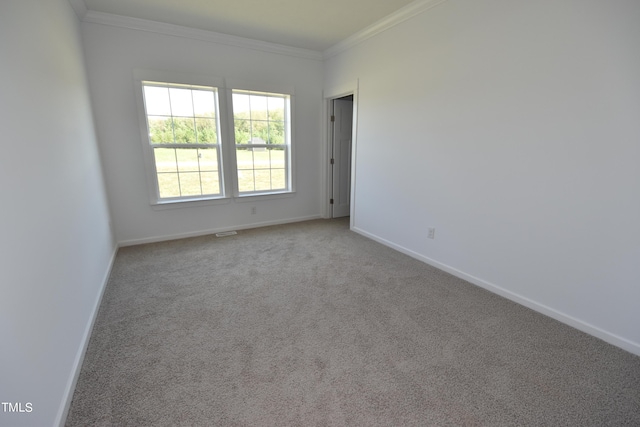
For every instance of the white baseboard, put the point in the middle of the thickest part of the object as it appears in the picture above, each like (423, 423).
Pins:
(63, 412)
(163, 238)
(613, 339)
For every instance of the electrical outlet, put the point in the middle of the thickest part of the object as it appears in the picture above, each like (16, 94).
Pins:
(253, 210)
(431, 233)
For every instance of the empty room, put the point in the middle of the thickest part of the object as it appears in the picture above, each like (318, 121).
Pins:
(302, 213)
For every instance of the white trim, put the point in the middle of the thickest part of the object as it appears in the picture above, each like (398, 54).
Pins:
(325, 158)
(606, 336)
(351, 88)
(354, 153)
(155, 239)
(384, 24)
(167, 79)
(339, 91)
(179, 203)
(176, 77)
(63, 412)
(223, 88)
(255, 197)
(197, 34)
(233, 83)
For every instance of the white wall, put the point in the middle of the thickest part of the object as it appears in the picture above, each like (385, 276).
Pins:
(112, 55)
(56, 245)
(513, 127)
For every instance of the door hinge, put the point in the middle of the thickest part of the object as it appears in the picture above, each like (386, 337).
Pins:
(333, 118)
(333, 161)
(330, 201)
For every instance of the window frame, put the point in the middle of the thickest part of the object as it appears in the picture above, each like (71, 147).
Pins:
(226, 144)
(185, 145)
(289, 138)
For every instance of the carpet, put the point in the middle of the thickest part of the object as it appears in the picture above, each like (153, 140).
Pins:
(310, 324)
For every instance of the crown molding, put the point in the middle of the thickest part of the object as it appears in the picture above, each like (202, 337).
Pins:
(196, 34)
(401, 15)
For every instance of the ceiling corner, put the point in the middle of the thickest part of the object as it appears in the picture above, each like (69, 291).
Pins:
(79, 7)
(395, 18)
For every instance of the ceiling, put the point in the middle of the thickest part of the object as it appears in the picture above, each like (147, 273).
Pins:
(308, 24)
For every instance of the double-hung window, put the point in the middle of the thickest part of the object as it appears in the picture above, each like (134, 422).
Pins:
(261, 124)
(208, 142)
(183, 129)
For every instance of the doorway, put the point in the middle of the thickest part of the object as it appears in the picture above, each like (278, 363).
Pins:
(340, 161)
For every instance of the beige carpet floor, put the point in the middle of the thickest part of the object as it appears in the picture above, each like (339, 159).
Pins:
(310, 324)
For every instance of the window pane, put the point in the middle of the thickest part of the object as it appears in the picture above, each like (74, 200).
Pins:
(259, 132)
(208, 159)
(156, 100)
(184, 129)
(245, 180)
(276, 133)
(177, 114)
(188, 162)
(181, 102)
(261, 158)
(258, 107)
(263, 179)
(160, 129)
(190, 184)
(207, 132)
(244, 158)
(187, 159)
(261, 119)
(276, 108)
(243, 131)
(277, 158)
(210, 183)
(204, 104)
(165, 159)
(168, 185)
(278, 179)
(241, 107)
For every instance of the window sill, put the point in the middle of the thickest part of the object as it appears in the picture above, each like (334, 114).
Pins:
(190, 203)
(263, 196)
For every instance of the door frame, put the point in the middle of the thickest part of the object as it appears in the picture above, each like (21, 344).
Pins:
(329, 95)
(340, 181)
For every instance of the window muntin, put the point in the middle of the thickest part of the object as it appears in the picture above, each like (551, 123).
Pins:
(262, 141)
(192, 150)
(184, 134)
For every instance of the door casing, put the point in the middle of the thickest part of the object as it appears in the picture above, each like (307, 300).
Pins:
(329, 94)
(341, 135)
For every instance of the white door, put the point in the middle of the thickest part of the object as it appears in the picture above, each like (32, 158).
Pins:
(341, 156)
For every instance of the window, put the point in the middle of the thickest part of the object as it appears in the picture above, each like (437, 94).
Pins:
(199, 145)
(183, 133)
(262, 139)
